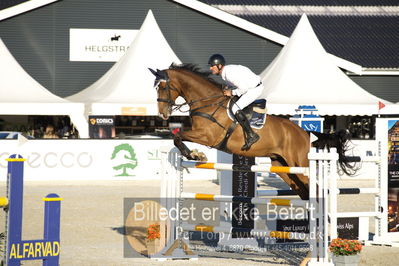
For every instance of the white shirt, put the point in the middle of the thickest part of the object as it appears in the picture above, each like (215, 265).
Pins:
(241, 77)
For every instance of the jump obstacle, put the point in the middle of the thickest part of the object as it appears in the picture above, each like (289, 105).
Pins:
(286, 221)
(16, 249)
(322, 169)
(363, 226)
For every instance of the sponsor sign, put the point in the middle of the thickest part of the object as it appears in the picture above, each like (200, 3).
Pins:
(312, 125)
(101, 127)
(99, 45)
(393, 153)
(348, 227)
(91, 159)
(298, 226)
(243, 185)
(393, 176)
(133, 111)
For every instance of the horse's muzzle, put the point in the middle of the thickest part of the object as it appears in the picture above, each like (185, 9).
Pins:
(163, 116)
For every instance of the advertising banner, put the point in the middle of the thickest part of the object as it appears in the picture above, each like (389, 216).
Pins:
(101, 127)
(99, 45)
(125, 159)
(393, 175)
(348, 227)
(387, 135)
(243, 185)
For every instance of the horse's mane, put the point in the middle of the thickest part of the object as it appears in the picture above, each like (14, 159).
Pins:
(196, 70)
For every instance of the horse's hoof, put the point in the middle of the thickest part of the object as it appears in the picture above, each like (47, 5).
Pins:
(198, 156)
(194, 155)
(202, 157)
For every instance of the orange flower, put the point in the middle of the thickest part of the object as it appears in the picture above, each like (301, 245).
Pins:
(345, 247)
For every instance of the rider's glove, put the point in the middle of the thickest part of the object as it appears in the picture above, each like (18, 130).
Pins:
(229, 87)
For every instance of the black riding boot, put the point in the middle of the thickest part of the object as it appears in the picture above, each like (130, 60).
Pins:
(250, 136)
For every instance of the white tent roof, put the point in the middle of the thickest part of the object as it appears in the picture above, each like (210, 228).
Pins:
(20, 94)
(127, 88)
(304, 74)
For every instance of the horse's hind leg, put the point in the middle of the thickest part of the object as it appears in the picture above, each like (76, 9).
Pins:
(294, 182)
(297, 182)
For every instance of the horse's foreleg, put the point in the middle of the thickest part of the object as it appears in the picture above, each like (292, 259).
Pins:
(185, 151)
(192, 136)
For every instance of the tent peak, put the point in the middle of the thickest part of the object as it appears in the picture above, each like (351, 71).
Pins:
(304, 74)
(129, 83)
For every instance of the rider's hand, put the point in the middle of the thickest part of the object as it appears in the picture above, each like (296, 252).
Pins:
(227, 93)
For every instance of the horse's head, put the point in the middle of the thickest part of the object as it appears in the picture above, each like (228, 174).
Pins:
(167, 94)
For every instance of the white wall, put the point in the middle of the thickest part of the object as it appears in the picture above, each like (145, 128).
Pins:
(92, 159)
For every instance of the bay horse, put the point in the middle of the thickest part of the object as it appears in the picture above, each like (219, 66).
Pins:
(280, 139)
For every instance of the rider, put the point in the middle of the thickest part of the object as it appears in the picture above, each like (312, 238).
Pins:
(245, 84)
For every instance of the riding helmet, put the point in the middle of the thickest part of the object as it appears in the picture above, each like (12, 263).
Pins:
(216, 59)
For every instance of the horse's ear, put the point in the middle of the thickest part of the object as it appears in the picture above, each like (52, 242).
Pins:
(153, 72)
(159, 74)
(162, 74)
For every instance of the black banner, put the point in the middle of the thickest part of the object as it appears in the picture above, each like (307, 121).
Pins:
(348, 228)
(296, 226)
(101, 127)
(243, 185)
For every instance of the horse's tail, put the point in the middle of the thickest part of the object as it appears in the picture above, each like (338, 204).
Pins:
(338, 140)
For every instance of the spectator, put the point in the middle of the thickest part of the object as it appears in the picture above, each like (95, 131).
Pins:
(50, 133)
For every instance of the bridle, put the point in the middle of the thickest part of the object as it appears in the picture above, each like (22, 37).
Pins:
(172, 105)
(168, 88)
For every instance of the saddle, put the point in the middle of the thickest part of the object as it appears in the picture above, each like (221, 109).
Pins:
(255, 112)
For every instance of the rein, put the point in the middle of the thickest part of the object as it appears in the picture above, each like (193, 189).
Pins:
(175, 106)
(211, 117)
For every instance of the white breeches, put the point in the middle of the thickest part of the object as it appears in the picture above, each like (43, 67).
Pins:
(247, 98)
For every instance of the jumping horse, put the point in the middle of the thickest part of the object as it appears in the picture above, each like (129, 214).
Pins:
(280, 139)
